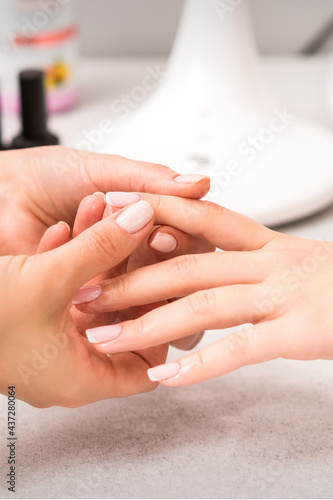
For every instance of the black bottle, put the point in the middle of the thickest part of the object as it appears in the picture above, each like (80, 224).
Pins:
(33, 113)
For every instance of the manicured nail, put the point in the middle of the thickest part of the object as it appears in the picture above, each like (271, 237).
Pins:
(135, 217)
(121, 199)
(163, 372)
(190, 178)
(164, 242)
(87, 294)
(103, 334)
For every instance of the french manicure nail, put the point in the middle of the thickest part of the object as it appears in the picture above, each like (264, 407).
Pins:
(103, 333)
(135, 217)
(163, 372)
(87, 293)
(121, 199)
(164, 242)
(190, 178)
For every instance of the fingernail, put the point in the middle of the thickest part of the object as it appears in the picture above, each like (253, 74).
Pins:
(99, 193)
(87, 294)
(164, 242)
(135, 217)
(121, 199)
(163, 372)
(190, 178)
(63, 223)
(103, 334)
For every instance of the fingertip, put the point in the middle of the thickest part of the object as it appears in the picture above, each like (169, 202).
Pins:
(63, 223)
(89, 212)
(193, 185)
(100, 195)
(54, 237)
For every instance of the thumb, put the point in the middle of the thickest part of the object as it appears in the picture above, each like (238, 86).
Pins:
(100, 248)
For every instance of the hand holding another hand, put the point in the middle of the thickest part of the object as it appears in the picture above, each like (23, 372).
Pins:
(280, 285)
(42, 351)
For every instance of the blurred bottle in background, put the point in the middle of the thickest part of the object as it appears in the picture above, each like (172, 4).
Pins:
(39, 34)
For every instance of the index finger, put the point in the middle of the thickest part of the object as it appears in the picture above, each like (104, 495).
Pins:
(224, 228)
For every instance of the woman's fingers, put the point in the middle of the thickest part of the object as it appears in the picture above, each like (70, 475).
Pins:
(90, 212)
(100, 247)
(124, 374)
(222, 227)
(66, 175)
(54, 237)
(250, 345)
(110, 172)
(208, 309)
(179, 277)
(167, 242)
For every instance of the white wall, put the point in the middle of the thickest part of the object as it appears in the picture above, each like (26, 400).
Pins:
(134, 27)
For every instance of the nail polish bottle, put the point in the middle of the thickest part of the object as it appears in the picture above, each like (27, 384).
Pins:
(33, 113)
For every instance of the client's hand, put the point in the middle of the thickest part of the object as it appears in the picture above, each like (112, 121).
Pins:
(281, 285)
(162, 243)
(42, 352)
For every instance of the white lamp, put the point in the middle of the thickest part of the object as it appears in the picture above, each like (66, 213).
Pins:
(214, 114)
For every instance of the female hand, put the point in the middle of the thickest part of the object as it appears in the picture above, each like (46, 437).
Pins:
(40, 186)
(163, 242)
(281, 285)
(42, 353)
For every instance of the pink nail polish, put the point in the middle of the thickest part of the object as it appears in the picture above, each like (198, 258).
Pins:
(164, 242)
(87, 294)
(190, 178)
(135, 217)
(121, 199)
(103, 333)
(163, 372)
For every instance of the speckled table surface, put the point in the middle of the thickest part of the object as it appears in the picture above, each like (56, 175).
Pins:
(265, 431)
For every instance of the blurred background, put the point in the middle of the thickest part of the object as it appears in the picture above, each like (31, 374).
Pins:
(281, 26)
(96, 74)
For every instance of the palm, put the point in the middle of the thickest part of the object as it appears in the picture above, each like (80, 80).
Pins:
(122, 374)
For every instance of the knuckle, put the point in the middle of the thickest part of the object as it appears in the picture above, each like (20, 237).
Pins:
(212, 211)
(199, 302)
(238, 342)
(197, 360)
(182, 266)
(156, 203)
(154, 171)
(118, 286)
(140, 328)
(106, 246)
(158, 168)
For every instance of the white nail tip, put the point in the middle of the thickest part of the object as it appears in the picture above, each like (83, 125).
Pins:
(90, 337)
(151, 377)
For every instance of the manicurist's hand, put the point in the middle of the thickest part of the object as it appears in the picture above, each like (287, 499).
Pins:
(40, 186)
(42, 352)
(281, 285)
(161, 243)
